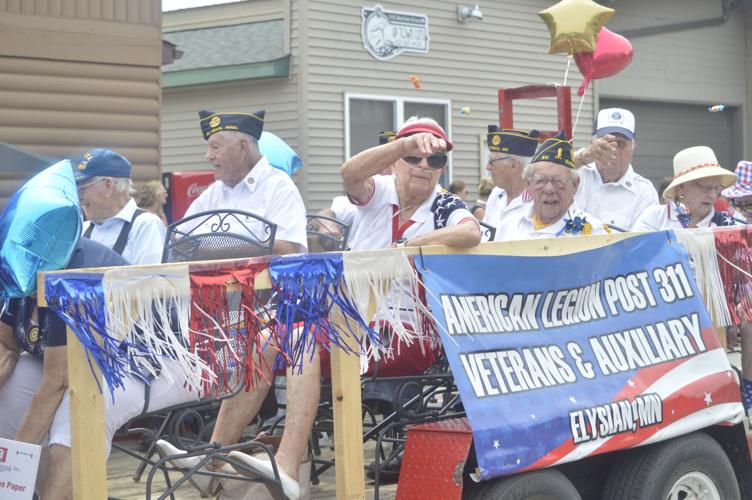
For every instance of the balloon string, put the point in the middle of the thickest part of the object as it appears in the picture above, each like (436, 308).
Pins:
(577, 118)
(566, 72)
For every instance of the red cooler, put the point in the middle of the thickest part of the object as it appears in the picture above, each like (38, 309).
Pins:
(182, 189)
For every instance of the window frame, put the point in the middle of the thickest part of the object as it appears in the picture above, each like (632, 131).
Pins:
(398, 103)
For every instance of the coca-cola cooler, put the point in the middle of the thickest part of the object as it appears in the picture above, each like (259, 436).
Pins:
(182, 188)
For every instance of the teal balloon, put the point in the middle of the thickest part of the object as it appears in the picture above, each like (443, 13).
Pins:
(39, 228)
(279, 154)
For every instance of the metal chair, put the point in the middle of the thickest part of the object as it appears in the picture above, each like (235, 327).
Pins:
(326, 234)
(487, 231)
(218, 234)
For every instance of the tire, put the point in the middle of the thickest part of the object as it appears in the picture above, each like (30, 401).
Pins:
(652, 473)
(537, 485)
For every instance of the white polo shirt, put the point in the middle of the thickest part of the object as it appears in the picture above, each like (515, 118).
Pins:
(660, 217)
(145, 241)
(617, 203)
(379, 217)
(266, 192)
(499, 207)
(520, 226)
(344, 210)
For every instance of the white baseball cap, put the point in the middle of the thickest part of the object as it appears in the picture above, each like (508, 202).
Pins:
(615, 120)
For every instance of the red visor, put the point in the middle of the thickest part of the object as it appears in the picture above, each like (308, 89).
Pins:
(415, 128)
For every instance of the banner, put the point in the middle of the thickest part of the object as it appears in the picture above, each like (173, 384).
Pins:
(559, 358)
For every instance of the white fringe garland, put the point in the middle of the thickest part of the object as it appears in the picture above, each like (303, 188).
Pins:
(139, 308)
(703, 259)
(395, 286)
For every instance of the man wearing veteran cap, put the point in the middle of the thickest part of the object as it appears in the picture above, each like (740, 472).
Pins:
(610, 189)
(246, 181)
(698, 180)
(552, 181)
(104, 185)
(509, 150)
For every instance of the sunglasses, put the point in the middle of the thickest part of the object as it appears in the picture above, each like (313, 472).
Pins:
(436, 160)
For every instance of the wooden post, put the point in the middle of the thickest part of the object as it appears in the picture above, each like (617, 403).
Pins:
(89, 462)
(348, 421)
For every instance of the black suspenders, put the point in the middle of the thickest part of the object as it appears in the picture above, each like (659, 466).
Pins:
(122, 238)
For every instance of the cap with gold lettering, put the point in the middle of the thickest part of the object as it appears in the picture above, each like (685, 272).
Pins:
(512, 141)
(250, 123)
(386, 136)
(555, 150)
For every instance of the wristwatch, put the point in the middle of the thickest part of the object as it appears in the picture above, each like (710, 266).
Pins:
(401, 242)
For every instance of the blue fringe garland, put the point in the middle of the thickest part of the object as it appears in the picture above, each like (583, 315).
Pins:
(79, 301)
(307, 287)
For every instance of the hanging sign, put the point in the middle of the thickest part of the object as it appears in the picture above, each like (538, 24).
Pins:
(387, 34)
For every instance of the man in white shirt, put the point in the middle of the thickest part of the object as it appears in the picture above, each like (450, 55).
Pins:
(610, 189)
(246, 181)
(104, 185)
(552, 181)
(509, 150)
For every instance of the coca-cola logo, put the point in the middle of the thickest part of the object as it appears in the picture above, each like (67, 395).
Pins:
(196, 189)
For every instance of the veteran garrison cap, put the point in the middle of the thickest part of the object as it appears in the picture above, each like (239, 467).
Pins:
(250, 123)
(512, 141)
(101, 163)
(386, 136)
(555, 150)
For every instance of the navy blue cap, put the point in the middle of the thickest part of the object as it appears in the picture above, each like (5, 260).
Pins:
(555, 150)
(512, 141)
(101, 163)
(250, 123)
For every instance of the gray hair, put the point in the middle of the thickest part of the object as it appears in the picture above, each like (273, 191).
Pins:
(421, 119)
(237, 136)
(123, 185)
(528, 172)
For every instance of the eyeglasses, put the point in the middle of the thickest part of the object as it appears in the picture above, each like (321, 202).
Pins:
(436, 160)
(503, 158)
(714, 188)
(542, 182)
(82, 187)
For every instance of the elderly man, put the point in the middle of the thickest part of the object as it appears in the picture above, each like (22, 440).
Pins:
(246, 181)
(610, 189)
(509, 151)
(552, 181)
(104, 187)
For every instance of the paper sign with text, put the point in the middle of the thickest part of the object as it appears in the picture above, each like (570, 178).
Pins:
(18, 469)
(559, 358)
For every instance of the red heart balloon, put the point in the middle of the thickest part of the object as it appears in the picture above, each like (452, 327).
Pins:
(612, 54)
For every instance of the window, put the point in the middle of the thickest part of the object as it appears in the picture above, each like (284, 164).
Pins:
(367, 115)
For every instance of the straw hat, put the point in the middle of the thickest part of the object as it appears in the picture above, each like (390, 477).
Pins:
(743, 186)
(695, 163)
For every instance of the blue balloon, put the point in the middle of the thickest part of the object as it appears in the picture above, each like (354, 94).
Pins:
(39, 228)
(279, 154)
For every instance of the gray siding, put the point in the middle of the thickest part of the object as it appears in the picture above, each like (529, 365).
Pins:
(466, 64)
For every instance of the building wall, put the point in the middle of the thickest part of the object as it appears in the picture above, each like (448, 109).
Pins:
(183, 146)
(79, 75)
(691, 69)
(466, 63)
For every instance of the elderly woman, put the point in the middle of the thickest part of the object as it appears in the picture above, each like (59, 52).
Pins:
(551, 180)
(698, 180)
(33, 382)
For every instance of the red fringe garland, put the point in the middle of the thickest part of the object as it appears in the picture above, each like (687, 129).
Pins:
(735, 263)
(225, 328)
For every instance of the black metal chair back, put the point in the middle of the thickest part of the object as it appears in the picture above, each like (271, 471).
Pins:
(487, 231)
(218, 234)
(326, 234)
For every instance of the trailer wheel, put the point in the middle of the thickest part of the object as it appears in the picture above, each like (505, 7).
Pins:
(686, 468)
(538, 485)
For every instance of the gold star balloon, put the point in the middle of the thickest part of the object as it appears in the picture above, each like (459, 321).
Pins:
(574, 25)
